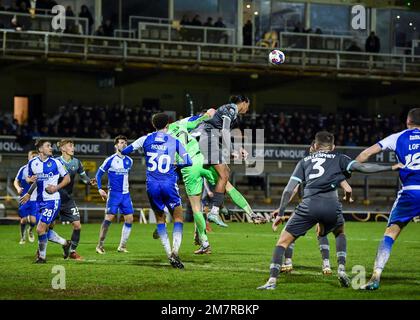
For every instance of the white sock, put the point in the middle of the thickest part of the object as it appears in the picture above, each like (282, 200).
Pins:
(125, 233)
(54, 237)
(214, 210)
(177, 236)
(164, 239)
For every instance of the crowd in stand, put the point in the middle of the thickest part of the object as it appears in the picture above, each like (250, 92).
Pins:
(45, 7)
(300, 127)
(106, 122)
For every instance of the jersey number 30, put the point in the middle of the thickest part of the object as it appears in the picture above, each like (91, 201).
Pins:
(317, 166)
(163, 163)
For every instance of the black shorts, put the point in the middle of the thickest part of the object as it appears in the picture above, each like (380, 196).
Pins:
(69, 212)
(312, 211)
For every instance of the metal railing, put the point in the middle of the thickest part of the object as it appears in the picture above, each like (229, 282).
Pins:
(170, 32)
(316, 41)
(40, 22)
(133, 21)
(47, 44)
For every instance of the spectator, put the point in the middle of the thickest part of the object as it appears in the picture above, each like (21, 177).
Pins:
(100, 32)
(354, 47)
(108, 28)
(373, 43)
(298, 27)
(85, 13)
(209, 22)
(69, 12)
(221, 36)
(13, 7)
(23, 7)
(219, 23)
(247, 33)
(196, 21)
(185, 21)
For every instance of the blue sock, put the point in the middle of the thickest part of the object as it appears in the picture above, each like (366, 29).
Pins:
(177, 236)
(164, 239)
(383, 254)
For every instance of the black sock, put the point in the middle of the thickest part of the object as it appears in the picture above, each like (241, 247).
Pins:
(276, 261)
(75, 238)
(289, 251)
(22, 230)
(341, 248)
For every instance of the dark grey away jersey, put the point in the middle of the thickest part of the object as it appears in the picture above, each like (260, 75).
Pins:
(216, 122)
(321, 172)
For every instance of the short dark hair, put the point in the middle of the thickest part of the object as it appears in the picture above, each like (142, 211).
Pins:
(414, 116)
(118, 138)
(40, 142)
(324, 139)
(63, 142)
(238, 98)
(160, 120)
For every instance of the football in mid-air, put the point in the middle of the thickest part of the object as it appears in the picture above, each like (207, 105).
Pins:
(276, 57)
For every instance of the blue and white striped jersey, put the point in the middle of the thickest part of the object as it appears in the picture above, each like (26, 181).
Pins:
(21, 177)
(406, 145)
(48, 172)
(117, 168)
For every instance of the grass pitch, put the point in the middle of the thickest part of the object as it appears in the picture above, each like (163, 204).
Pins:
(239, 263)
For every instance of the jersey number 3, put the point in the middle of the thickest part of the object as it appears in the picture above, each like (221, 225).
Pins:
(317, 166)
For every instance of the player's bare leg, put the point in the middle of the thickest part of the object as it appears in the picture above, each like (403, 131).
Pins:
(384, 251)
(219, 193)
(200, 225)
(103, 232)
(125, 233)
(75, 238)
(284, 242)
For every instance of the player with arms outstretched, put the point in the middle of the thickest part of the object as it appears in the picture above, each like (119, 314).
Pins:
(161, 150)
(320, 203)
(406, 145)
(118, 197)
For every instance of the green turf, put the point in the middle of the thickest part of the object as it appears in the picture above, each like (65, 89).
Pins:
(239, 263)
